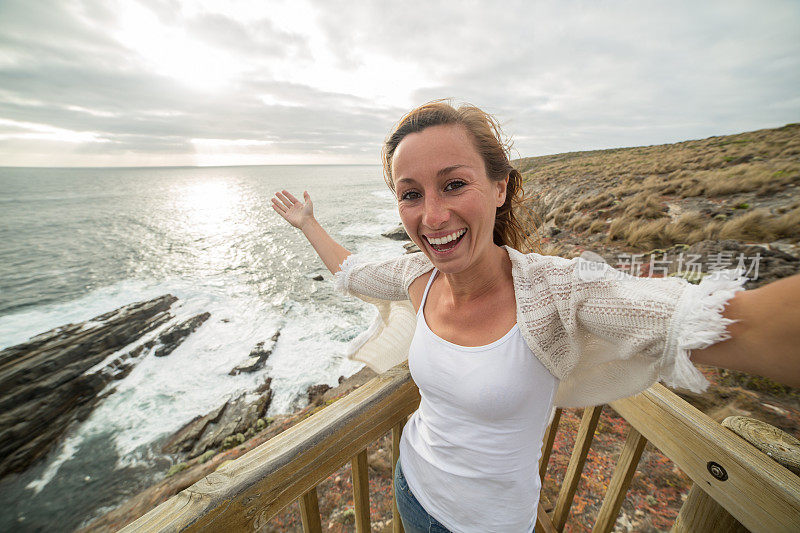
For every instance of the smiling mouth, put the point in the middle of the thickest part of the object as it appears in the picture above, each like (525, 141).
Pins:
(448, 242)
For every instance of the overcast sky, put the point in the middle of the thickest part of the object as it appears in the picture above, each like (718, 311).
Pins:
(172, 82)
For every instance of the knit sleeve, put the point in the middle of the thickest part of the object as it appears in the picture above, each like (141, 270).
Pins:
(379, 280)
(383, 284)
(621, 333)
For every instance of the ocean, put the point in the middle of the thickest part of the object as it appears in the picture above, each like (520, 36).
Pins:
(78, 242)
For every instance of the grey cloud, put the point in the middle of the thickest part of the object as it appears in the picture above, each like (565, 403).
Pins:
(259, 39)
(559, 77)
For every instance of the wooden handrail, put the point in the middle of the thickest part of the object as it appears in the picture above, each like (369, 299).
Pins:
(757, 491)
(246, 493)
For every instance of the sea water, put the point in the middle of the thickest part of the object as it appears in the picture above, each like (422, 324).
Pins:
(76, 243)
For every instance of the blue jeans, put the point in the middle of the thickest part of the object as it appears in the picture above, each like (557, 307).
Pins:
(415, 519)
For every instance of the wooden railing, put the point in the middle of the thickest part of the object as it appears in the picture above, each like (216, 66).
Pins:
(245, 494)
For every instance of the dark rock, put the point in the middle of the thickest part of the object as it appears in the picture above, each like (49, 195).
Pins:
(44, 381)
(411, 248)
(315, 393)
(185, 438)
(397, 234)
(772, 263)
(175, 335)
(318, 277)
(220, 427)
(264, 387)
(257, 357)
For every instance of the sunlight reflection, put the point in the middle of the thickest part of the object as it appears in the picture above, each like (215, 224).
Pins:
(209, 205)
(213, 221)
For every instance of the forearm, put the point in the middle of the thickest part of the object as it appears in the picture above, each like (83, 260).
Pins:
(331, 252)
(765, 340)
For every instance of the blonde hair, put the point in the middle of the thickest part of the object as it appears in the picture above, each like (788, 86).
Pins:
(488, 139)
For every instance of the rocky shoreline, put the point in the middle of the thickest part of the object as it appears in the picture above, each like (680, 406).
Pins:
(55, 379)
(225, 437)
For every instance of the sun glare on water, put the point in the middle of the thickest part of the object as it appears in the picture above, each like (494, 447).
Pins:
(211, 219)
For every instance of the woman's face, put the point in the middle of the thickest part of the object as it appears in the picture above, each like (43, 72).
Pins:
(443, 194)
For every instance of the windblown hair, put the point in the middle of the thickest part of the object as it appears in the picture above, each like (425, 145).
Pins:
(489, 142)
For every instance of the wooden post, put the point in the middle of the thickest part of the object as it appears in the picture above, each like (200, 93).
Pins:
(620, 481)
(309, 511)
(700, 513)
(361, 491)
(583, 441)
(774, 442)
(547, 443)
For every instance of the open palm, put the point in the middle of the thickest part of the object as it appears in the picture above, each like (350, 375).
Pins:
(293, 210)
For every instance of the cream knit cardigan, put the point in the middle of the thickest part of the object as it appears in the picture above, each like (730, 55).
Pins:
(604, 334)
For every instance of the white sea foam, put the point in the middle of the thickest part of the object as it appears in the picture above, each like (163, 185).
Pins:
(65, 452)
(163, 393)
(384, 194)
(19, 327)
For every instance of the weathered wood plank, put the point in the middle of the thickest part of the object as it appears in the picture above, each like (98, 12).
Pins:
(361, 491)
(246, 493)
(620, 481)
(397, 432)
(758, 492)
(547, 443)
(573, 474)
(543, 522)
(701, 513)
(309, 512)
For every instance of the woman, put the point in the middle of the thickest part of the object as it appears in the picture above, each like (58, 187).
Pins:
(501, 337)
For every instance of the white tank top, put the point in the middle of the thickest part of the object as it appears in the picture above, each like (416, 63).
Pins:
(470, 452)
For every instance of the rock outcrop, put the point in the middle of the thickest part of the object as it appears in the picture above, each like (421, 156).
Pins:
(397, 234)
(411, 248)
(44, 381)
(170, 339)
(316, 392)
(221, 427)
(257, 357)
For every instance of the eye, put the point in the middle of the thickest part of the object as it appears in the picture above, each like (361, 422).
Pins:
(410, 195)
(455, 184)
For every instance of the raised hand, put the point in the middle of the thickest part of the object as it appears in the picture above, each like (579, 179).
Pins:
(296, 213)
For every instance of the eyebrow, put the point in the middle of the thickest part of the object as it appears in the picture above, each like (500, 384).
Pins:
(446, 170)
(441, 172)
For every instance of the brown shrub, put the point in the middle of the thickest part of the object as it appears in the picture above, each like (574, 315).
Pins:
(581, 222)
(618, 229)
(681, 229)
(643, 205)
(598, 226)
(752, 226)
(788, 224)
(648, 234)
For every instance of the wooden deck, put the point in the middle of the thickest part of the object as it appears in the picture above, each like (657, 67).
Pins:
(732, 479)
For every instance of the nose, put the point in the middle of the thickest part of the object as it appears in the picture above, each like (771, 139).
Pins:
(436, 214)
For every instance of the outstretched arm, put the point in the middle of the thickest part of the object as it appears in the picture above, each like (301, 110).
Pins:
(301, 216)
(765, 340)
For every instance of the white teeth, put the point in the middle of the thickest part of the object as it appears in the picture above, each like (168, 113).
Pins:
(447, 238)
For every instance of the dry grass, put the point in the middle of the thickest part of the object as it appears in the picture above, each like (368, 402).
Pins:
(756, 226)
(721, 187)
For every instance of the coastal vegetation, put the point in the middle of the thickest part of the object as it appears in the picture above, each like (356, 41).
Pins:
(742, 187)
